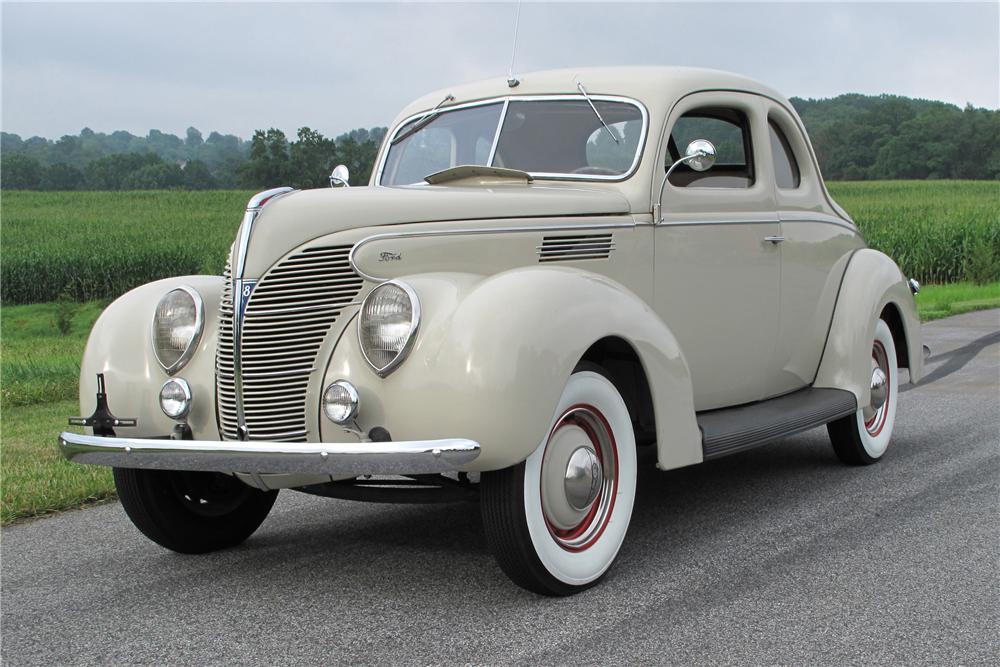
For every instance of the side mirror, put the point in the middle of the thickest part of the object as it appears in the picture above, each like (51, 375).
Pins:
(700, 155)
(339, 177)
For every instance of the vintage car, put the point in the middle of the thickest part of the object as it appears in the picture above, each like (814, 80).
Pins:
(542, 276)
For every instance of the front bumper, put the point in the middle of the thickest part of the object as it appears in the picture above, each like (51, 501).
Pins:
(363, 458)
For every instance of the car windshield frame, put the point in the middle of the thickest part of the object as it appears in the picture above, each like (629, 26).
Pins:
(506, 100)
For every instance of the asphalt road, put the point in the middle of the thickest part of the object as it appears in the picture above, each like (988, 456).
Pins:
(780, 555)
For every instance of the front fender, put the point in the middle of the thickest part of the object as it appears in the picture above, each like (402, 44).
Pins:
(120, 347)
(493, 355)
(871, 283)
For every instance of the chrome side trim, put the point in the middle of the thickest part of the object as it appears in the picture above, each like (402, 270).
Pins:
(362, 458)
(199, 326)
(240, 247)
(506, 99)
(816, 217)
(474, 230)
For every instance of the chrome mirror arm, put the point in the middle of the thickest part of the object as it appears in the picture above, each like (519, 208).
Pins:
(659, 200)
(701, 153)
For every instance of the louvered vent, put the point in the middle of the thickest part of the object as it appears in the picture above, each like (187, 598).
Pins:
(577, 247)
(290, 312)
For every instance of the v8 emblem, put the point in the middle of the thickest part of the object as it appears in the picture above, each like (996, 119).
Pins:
(244, 288)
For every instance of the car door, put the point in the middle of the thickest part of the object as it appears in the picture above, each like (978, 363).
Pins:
(817, 246)
(717, 256)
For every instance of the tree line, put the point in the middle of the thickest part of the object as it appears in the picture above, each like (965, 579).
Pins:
(856, 137)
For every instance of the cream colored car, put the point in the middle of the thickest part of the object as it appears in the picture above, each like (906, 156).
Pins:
(542, 277)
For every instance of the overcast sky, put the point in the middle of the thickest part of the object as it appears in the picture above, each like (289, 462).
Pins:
(239, 66)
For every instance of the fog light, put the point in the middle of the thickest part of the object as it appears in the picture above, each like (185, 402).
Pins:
(340, 402)
(175, 398)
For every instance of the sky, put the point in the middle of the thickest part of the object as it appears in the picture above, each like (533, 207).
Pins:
(235, 67)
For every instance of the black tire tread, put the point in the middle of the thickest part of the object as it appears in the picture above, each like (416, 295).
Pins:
(145, 497)
(846, 441)
(502, 504)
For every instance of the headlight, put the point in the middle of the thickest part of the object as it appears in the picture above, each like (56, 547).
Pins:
(340, 402)
(388, 320)
(175, 398)
(177, 326)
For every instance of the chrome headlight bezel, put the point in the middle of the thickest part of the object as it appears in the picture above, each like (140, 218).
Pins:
(192, 345)
(410, 336)
(188, 398)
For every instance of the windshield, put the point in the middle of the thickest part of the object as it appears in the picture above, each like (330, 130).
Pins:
(560, 138)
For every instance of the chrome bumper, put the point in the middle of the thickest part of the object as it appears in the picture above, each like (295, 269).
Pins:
(363, 458)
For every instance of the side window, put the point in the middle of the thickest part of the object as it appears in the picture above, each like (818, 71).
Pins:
(786, 169)
(729, 132)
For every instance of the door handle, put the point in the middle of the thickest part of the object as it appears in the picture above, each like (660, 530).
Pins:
(774, 239)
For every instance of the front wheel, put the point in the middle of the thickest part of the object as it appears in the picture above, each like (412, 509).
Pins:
(862, 438)
(191, 512)
(556, 521)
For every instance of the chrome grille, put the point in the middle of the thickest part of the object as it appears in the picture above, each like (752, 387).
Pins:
(286, 319)
(225, 390)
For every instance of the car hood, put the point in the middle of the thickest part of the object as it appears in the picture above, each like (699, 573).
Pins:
(293, 219)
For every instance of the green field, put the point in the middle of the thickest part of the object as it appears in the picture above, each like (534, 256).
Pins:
(98, 245)
(931, 228)
(91, 247)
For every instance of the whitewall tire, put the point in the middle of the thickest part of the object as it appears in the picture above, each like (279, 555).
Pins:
(862, 438)
(557, 521)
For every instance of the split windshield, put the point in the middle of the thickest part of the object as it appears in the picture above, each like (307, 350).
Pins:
(561, 138)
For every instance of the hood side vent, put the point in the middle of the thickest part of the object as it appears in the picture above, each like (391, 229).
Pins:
(576, 247)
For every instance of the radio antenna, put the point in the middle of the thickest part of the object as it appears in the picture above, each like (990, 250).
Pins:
(511, 81)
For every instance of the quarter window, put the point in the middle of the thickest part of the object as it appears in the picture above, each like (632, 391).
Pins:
(786, 169)
(729, 132)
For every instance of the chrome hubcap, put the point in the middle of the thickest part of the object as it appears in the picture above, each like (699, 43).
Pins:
(583, 478)
(875, 413)
(578, 484)
(879, 386)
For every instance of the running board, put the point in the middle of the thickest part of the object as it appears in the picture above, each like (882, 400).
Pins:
(731, 430)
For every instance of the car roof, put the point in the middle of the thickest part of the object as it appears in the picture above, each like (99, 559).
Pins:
(657, 87)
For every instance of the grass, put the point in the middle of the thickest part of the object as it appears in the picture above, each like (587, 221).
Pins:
(39, 364)
(99, 245)
(931, 228)
(937, 301)
(34, 477)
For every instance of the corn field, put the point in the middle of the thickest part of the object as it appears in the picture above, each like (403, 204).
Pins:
(99, 245)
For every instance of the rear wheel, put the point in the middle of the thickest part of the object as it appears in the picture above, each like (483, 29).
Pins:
(862, 438)
(191, 512)
(556, 521)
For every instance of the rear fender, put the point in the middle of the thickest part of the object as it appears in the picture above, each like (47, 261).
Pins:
(872, 283)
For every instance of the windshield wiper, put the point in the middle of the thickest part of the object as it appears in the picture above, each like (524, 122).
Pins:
(597, 113)
(423, 122)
